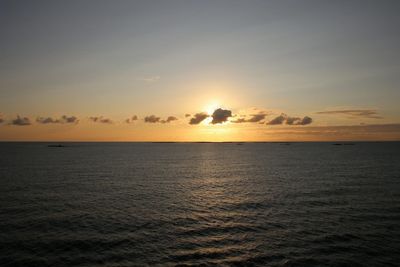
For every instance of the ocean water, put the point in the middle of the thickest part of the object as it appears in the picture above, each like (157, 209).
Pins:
(208, 204)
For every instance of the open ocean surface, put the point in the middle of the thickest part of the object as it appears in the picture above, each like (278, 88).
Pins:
(168, 204)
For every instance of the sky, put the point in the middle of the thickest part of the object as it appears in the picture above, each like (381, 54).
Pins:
(199, 70)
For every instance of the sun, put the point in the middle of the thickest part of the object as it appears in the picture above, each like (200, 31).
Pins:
(209, 109)
(211, 106)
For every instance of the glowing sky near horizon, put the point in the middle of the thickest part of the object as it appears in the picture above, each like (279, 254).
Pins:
(337, 62)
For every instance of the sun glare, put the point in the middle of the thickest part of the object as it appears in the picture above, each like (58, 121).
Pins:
(209, 109)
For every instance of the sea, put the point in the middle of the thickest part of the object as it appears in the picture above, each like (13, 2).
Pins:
(200, 204)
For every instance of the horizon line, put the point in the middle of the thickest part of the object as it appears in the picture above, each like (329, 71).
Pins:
(200, 142)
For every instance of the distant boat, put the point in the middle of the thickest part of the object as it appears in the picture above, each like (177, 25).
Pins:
(59, 145)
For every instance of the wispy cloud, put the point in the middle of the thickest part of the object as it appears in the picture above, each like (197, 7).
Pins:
(101, 119)
(253, 118)
(337, 133)
(239, 120)
(169, 119)
(131, 119)
(20, 121)
(198, 118)
(354, 113)
(149, 79)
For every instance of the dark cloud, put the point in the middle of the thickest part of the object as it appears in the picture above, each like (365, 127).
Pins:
(71, 119)
(257, 117)
(21, 121)
(132, 119)
(254, 118)
(220, 115)
(306, 120)
(290, 120)
(169, 119)
(298, 121)
(47, 120)
(364, 113)
(198, 118)
(155, 119)
(101, 119)
(278, 120)
(172, 118)
(63, 119)
(187, 115)
(152, 119)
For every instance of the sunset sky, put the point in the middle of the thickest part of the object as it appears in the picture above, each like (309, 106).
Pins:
(199, 70)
